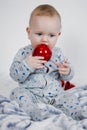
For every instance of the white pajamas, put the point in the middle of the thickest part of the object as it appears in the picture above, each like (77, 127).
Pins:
(43, 85)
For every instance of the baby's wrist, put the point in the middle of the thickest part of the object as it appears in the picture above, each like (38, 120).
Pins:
(26, 62)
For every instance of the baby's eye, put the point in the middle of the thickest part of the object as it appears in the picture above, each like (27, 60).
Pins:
(51, 35)
(39, 34)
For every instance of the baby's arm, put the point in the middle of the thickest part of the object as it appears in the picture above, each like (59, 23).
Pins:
(64, 67)
(65, 70)
(24, 64)
(19, 69)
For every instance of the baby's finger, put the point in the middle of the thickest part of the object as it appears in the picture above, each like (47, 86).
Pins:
(39, 57)
(58, 64)
(62, 69)
(65, 64)
(41, 61)
(63, 73)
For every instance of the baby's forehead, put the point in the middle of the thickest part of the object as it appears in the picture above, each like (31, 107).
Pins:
(45, 22)
(46, 18)
(36, 16)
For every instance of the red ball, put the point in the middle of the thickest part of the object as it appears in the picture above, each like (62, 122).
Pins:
(43, 50)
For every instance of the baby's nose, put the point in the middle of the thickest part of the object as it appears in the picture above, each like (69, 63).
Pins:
(44, 38)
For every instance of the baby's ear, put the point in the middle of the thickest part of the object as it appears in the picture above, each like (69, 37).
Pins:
(28, 31)
(59, 33)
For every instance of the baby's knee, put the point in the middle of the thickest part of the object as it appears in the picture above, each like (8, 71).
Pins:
(14, 93)
(18, 93)
(21, 95)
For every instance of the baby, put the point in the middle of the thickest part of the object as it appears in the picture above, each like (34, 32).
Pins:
(39, 80)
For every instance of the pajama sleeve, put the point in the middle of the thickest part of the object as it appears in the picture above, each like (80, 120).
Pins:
(19, 69)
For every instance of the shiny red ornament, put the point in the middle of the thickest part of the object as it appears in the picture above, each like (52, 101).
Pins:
(43, 50)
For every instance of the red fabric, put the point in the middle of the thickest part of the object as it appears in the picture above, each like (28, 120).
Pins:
(67, 85)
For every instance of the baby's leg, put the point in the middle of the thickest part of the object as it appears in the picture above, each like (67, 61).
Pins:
(73, 102)
(81, 94)
(83, 100)
(28, 102)
(69, 105)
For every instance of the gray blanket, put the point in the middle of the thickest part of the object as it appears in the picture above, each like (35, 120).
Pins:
(12, 117)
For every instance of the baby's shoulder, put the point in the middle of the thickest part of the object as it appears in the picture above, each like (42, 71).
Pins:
(56, 50)
(27, 49)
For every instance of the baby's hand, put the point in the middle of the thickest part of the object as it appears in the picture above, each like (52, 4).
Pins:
(36, 62)
(63, 68)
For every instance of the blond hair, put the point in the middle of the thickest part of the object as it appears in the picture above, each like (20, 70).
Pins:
(44, 10)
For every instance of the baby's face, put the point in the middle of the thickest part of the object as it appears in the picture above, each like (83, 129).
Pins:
(44, 29)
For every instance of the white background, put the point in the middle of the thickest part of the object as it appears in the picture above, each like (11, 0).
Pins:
(14, 17)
